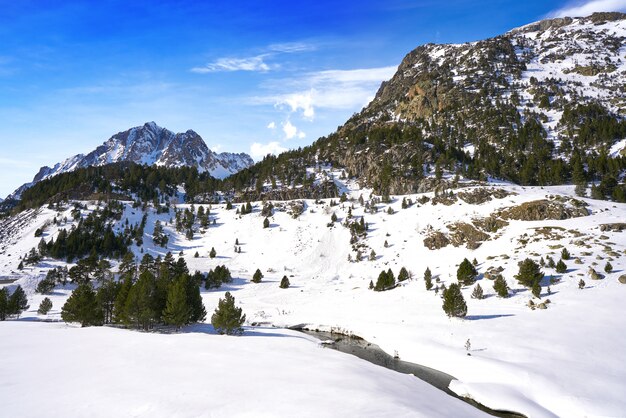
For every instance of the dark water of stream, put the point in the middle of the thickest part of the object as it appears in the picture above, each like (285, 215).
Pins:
(374, 354)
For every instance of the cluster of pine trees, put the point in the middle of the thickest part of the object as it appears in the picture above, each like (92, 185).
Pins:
(155, 292)
(12, 305)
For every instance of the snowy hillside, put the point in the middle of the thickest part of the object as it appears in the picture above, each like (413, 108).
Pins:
(150, 144)
(560, 357)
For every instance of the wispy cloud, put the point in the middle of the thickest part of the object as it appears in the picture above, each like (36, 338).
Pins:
(292, 47)
(329, 89)
(585, 8)
(255, 63)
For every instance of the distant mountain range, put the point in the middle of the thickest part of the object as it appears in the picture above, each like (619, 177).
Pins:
(150, 144)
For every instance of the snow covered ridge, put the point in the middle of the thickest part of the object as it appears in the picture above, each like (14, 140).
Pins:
(150, 144)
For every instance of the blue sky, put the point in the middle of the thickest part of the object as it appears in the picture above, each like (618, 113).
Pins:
(252, 76)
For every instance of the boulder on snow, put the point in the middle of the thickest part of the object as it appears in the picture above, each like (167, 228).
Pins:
(594, 275)
(622, 279)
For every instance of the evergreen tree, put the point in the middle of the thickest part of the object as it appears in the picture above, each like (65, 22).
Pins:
(18, 302)
(266, 223)
(4, 303)
(581, 284)
(386, 280)
(257, 277)
(565, 255)
(284, 282)
(177, 311)
(197, 312)
(106, 296)
(501, 287)
(477, 293)
(372, 255)
(228, 318)
(212, 253)
(536, 289)
(428, 279)
(529, 273)
(403, 275)
(44, 306)
(82, 307)
(333, 217)
(608, 267)
(466, 273)
(561, 267)
(371, 286)
(127, 266)
(119, 307)
(141, 304)
(47, 284)
(453, 301)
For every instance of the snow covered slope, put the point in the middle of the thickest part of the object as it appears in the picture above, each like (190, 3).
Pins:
(565, 360)
(105, 372)
(151, 144)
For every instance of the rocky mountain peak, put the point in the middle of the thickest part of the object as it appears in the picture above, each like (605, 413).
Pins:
(150, 144)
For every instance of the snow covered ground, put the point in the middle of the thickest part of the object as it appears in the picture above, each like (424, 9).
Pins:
(52, 369)
(566, 360)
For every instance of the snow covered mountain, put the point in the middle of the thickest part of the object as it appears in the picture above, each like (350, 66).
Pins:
(150, 144)
(524, 106)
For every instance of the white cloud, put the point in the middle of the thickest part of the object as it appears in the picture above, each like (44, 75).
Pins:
(330, 89)
(291, 131)
(585, 8)
(291, 47)
(256, 63)
(258, 150)
(271, 125)
(302, 101)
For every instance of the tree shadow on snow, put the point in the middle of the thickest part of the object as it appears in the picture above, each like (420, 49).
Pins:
(247, 331)
(477, 317)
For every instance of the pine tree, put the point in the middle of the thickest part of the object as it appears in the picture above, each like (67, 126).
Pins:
(565, 255)
(501, 287)
(372, 255)
(581, 284)
(333, 217)
(177, 311)
(213, 253)
(44, 306)
(561, 267)
(18, 302)
(82, 307)
(194, 300)
(284, 282)
(4, 304)
(228, 318)
(477, 293)
(47, 284)
(371, 286)
(529, 273)
(453, 301)
(608, 267)
(266, 223)
(106, 296)
(141, 308)
(119, 306)
(466, 273)
(536, 289)
(257, 277)
(428, 279)
(403, 275)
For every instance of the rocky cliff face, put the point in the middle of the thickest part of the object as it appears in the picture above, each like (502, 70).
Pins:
(151, 144)
(525, 106)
